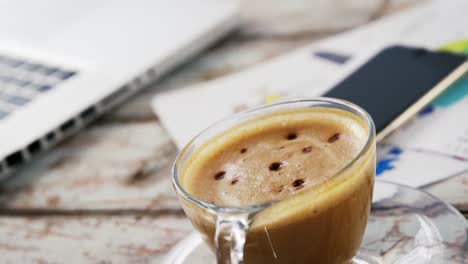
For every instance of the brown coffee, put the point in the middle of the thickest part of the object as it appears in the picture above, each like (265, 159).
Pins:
(292, 157)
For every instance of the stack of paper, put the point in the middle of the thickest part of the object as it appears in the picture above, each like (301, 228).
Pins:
(410, 156)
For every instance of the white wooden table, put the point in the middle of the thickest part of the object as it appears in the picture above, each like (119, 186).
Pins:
(104, 196)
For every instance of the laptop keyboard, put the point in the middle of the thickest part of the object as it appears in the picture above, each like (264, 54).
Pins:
(23, 81)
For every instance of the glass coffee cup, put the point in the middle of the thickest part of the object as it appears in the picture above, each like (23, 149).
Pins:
(323, 222)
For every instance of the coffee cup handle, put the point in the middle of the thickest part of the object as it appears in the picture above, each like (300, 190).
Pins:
(230, 236)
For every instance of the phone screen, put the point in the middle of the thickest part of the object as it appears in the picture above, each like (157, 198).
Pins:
(394, 80)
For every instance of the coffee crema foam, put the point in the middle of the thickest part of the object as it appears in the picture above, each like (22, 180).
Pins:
(274, 156)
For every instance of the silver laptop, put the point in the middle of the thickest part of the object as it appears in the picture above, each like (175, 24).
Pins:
(64, 62)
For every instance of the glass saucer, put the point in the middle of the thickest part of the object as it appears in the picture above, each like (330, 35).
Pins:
(406, 225)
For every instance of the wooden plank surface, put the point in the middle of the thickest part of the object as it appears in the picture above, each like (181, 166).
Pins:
(108, 166)
(90, 238)
(104, 196)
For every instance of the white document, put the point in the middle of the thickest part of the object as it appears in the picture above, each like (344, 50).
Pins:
(442, 130)
(415, 168)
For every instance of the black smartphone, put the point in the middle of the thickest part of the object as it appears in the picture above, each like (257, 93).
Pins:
(398, 82)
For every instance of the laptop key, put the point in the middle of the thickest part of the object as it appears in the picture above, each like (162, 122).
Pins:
(42, 87)
(17, 100)
(63, 75)
(47, 70)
